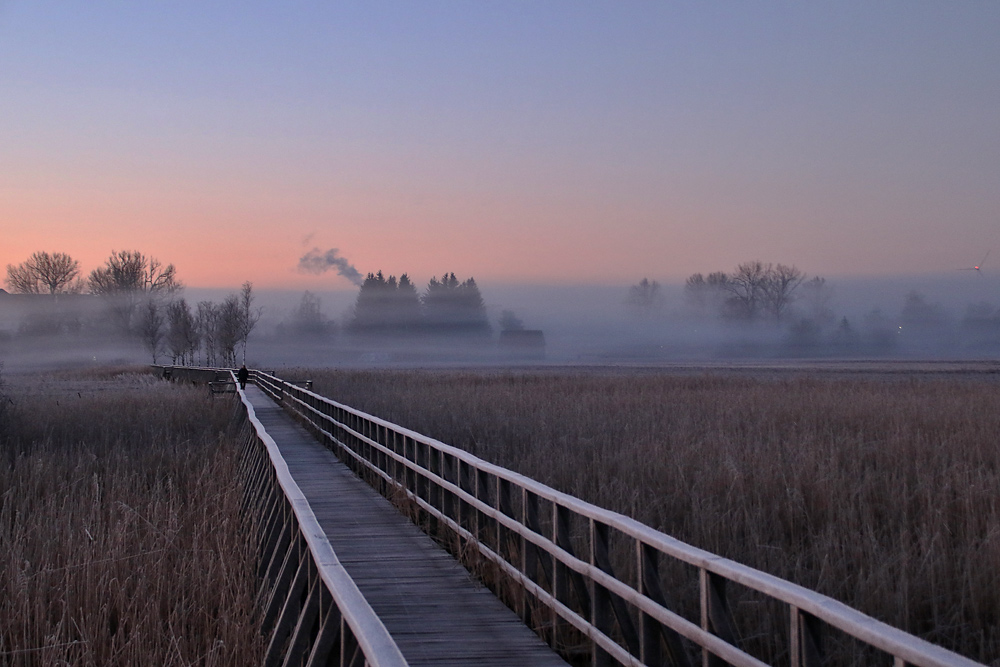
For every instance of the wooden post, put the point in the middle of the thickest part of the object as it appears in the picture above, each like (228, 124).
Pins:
(509, 548)
(806, 639)
(600, 610)
(328, 633)
(715, 615)
(565, 580)
(397, 467)
(350, 651)
(449, 473)
(434, 466)
(411, 456)
(421, 459)
(484, 494)
(529, 553)
(468, 484)
(601, 559)
(650, 630)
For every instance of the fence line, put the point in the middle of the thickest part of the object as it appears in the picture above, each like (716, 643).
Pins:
(563, 555)
(313, 612)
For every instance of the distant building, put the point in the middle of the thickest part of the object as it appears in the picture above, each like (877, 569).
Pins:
(523, 343)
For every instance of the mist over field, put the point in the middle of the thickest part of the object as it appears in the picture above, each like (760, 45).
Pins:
(933, 317)
(597, 324)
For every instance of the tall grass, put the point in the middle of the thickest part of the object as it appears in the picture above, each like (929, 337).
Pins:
(880, 493)
(120, 536)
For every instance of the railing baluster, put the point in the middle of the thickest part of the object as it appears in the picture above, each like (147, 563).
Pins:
(290, 561)
(298, 643)
(329, 631)
(271, 528)
(278, 554)
(289, 612)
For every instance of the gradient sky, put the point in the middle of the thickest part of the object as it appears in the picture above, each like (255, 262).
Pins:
(531, 142)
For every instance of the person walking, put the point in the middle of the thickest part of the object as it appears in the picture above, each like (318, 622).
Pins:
(243, 375)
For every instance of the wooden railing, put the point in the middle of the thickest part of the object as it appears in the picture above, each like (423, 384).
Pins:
(588, 577)
(313, 612)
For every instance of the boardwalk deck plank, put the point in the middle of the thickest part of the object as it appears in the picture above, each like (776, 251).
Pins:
(437, 613)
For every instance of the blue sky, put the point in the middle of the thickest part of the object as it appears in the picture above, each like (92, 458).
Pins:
(513, 141)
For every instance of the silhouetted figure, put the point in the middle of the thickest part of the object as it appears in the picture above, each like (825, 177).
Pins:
(243, 375)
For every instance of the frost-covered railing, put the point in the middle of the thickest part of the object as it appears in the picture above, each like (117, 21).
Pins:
(313, 612)
(595, 581)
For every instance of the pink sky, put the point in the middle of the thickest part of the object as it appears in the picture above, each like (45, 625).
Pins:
(570, 143)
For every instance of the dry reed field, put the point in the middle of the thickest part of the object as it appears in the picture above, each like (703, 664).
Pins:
(120, 537)
(879, 491)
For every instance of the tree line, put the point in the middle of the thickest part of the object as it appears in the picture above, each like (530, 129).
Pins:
(753, 291)
(141, 299)
(783, 299)
(385, 305)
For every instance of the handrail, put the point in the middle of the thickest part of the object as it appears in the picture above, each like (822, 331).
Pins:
(298, 563)
(499, 513)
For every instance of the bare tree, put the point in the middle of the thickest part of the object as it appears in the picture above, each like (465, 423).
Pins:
(706, 293)
(308, 318)
(249, 316)
(129, 277)
(229, 326)
(151, 328)
(206, 325)
(55, 273)
(816, 296)
(182, 334)
(21, 279)
(645, 295)
(778, 288)
(746, 287)
(696, 291)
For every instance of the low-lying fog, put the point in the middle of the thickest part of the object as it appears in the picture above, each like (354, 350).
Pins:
(932, 317)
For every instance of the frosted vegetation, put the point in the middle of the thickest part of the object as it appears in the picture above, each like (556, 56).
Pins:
(880, 492)
(120, 536)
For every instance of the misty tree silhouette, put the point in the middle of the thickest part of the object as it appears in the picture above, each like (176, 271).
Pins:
(457, 307)
(385, 305)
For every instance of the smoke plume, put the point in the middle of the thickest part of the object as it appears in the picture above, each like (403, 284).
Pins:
(317, 261)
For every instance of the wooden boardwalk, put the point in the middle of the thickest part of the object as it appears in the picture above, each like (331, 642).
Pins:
(435, 611)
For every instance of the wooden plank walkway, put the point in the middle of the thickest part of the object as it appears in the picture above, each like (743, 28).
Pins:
(428, 602)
